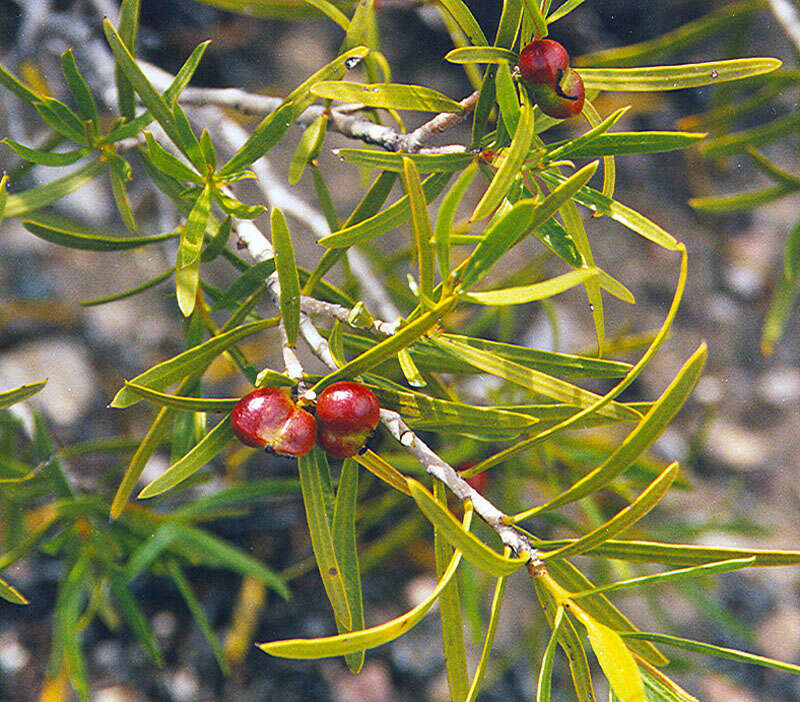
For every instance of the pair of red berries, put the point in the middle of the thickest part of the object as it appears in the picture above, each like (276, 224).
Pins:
(555, 87)
(346, 414)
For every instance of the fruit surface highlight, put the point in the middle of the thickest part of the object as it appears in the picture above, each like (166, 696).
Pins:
(347, 413)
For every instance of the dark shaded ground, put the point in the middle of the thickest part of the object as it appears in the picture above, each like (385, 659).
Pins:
(744, 464)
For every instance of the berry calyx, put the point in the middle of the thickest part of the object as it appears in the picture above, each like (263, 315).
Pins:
(555, 87)
(542, 61)
(268, 417)
(347, 413)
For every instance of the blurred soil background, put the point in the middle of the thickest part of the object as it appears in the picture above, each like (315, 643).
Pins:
(736, 440)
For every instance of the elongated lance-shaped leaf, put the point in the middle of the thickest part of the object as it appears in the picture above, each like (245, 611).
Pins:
(91, 242)
(619, 143)
(525, 216)
(510, 166)
(3, 195)
(713, 568)
(730, 654)
(640, 439)
(287, 275)
(169, 164)
(208, 447)
(79, 88)
(534, 380)
(450, 612)
(11, 594)
(660, 78)
(421, 226)
(312, 484)
(386, 220)
(474, 550)
(742, 201)
(544, 683)
(596, 201)
(134, 616)
(342, 644)
(459, 11)
(275, 125)
(535, 291)
(307, 148)
(391, 96)
(195, 359)
(389, 347)
(45, 158)
(559, 149)
(344, 541)
(183, 402)
(187, 269)
(393, 161)
(446, 216)
(384, 470)
(491, 630)
(20, 204)
(128, 29)
(481, 54)
(620, 521)
(23, 392)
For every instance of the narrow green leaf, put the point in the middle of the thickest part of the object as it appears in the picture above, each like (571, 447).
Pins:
(620, 521)
(507, 99)
(509, 168)
(91, 242)
(386, 220)
(169, 164)
(514, 225)
(183, 402)
(420, 225)
(446, 216)
(366, 638)
(206, 449)
(312, 485)
(215, 247)
(275, 125)
(287, 275)
(187, 269)
(730, 144)
(481, 54)
(458, 10)
(343, 528)
(136, 618)
(379, 467)
(78, 87)
(13, 84)
(121, 200)
(544, 684)
(11, 594)
(491, 630)
(631, 143)
(391, 96)
(671, 576)
(23, 392)
(474, 550)
(20, 204)
(455, 655)
(730, 654)
(536, 291)
(246, 284)
(307, 148)
(596, 201)
(741, 201)
(616, 661)
(45, 158)
(58, 116)
(675, 77)
(128, 293)
(196, 359)
(393, 161)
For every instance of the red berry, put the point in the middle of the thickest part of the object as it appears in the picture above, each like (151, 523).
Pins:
(347, 413)
(565, 100)
(541, 62)
(269, 417)
(478, 482)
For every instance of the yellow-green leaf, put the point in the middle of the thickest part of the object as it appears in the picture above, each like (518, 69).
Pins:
(536, 291)
(391, 96)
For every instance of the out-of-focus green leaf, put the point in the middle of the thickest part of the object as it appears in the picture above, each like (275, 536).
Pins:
(474, 550)
(494, 618)
(544, 684)
(283, 9)
(287, 275)
(741, 201)
(465, 20)
(136, 618)
(128, 293)
(366, 638)
(23, 392)
(391, 96)
(386, 220)
(630, 143)
(310, 468)
(730, 144)
(195, 359)
(206, 449)
(20, 204)
(565, 8)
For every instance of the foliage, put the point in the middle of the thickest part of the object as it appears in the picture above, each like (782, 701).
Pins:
(415, 364)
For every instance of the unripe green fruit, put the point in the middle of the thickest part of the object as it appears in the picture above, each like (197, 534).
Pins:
(268, 417)
(347, 413)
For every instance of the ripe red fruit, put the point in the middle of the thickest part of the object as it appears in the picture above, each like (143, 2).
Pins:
(479, 482)
(269, 417)
(541, 62)
(555, 87)
(347, 413)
